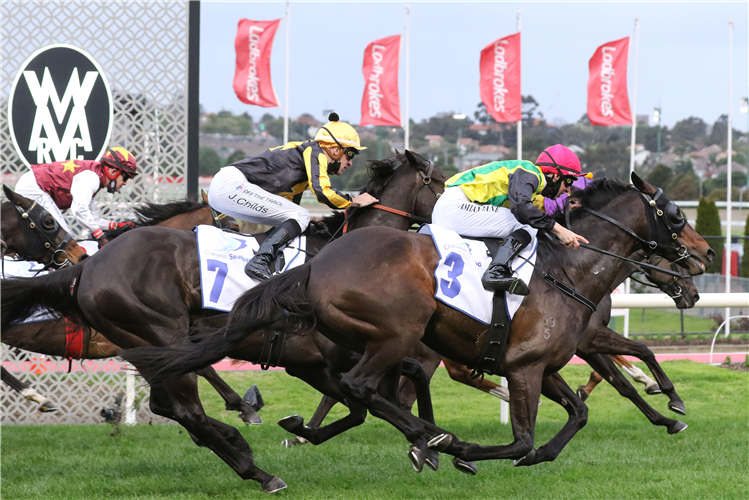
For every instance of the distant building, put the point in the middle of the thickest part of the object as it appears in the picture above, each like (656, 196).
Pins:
(434, 141)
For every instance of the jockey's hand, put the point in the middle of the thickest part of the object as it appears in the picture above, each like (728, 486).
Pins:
(567, 237)
(99, 235)
(119, 225)
(363, 200)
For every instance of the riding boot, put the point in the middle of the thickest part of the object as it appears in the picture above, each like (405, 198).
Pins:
(499, 275)
(259, 266)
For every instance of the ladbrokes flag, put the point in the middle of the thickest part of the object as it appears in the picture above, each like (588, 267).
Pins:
(608, 103)
(381, 104)
(252, 82)
(500, 79)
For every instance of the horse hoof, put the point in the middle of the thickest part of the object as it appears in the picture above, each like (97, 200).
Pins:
(250, 418)
(417, 458)
(47, 406)
(469, 468)
(440, 442)
(653, 389)
(433, 459)
(581, 393)
(677, 407)
(677, 427)
(291, 422)
(526, 460)
(274, 484)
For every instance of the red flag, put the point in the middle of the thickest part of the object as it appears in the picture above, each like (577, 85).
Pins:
(500, 79)
(253, 43)
(381, 104)
(608, 103)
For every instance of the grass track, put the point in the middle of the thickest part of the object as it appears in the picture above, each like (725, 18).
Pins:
(617, 455)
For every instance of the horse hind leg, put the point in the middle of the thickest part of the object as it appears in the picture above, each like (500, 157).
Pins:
(231, 399)
(555, 388)
(29, 393)
(326, 404)
(651, 386)
(178, 400)
(585, 390)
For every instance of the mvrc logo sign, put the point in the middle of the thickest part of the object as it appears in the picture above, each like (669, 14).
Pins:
(60, 107)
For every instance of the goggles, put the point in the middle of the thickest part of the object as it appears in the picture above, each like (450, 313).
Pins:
(349, 152)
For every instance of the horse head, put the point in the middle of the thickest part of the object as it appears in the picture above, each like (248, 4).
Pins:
(682, 290)
(665, 220)
(31, 232)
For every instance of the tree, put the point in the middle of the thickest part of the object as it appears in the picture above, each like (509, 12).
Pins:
(683, 186)
(719, 133)
(224, 122)
(744, 269)
(689, 130)
(209, 162)
(235, 156)
(609, 160)
(708, 224)
(660, 176)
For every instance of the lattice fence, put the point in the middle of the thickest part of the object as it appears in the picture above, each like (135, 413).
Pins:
(142, 47)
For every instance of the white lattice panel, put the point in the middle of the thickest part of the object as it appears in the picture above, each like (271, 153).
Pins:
(142, 47)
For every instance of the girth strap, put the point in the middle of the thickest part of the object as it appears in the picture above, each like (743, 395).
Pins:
(496, 342)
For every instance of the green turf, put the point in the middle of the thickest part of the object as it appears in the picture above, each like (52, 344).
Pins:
(617, 455)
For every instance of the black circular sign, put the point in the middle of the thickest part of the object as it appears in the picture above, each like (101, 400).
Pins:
(60, 107)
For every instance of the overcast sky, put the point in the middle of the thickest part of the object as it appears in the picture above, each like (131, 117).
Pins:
(682, 64)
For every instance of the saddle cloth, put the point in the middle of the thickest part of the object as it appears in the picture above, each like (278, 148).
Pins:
(458, 273)
(223, 256)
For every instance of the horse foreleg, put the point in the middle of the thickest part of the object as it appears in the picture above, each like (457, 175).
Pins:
(606, 341)
(25, 390)
(584, 390)
(555, 388)
(651, 386)
(178, 400)
(605, 366)
(326, 404)
(461, 373)
(231, 399)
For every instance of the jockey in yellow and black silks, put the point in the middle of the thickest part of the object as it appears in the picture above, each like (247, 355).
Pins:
(267, 188)
(505, 199)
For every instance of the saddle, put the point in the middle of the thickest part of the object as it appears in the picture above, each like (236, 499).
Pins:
(499, 327)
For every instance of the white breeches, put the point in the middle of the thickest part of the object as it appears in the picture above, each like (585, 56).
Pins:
(28, 187)
(232, 194)
(456, 212)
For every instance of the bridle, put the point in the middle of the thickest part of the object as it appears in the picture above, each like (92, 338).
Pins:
(218, 218)
(31, 222)
(426, 181)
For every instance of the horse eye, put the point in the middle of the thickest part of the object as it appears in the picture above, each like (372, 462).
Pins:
(49, 222)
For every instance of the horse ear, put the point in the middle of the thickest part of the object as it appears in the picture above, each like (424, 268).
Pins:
(204, 195)
(411, 158)
(16, 198)
(396, 151)
(641, 185)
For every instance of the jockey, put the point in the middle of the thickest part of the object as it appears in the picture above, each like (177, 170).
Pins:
(73, 184)
(505, 199)
(268, 187)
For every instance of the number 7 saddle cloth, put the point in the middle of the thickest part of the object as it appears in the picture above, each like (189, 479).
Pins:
(223, 256)
(462, 263)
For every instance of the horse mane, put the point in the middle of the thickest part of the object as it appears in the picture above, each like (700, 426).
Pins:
(150, 214)
(380, 171)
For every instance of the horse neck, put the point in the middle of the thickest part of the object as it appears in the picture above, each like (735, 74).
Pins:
(595, 274)
(189, 220)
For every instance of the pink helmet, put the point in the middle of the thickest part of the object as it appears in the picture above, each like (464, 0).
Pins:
(558, 159)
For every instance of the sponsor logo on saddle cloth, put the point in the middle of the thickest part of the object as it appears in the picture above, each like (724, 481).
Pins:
(223, 256)
(458, 273)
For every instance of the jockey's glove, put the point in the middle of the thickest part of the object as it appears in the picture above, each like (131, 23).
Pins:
(119, 225)
(99, 235)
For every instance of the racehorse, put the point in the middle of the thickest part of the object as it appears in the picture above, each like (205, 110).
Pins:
(373, 292)
(138, 302)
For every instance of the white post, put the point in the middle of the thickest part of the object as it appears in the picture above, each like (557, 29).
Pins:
(286, 97)
(520, 123)
(727, 252)
(130, 412)
(628, 283)
(407, 124)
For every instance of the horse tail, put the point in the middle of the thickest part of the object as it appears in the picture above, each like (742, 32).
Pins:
(51, 293)
(281, 303)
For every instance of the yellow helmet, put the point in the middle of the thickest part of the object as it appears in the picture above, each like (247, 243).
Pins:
(341, 134)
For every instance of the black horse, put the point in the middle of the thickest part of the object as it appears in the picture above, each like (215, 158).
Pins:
(141, 295)
(373, 292)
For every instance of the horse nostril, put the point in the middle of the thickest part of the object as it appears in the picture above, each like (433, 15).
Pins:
(696, 297)
(710, 254)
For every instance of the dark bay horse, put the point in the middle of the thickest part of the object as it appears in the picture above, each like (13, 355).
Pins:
(140, 295)
(373, 292)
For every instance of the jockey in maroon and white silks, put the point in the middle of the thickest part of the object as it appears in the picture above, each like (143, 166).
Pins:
(73, 184)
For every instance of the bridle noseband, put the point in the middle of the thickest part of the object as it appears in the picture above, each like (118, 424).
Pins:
(31, 223)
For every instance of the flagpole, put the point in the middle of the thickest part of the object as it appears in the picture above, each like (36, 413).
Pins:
(407, 124)
(729, 173)
(520, 123)
(628, 283)
(286, 97)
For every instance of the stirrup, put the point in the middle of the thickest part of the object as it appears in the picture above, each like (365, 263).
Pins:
(512, 285)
